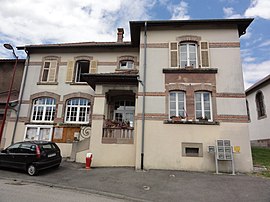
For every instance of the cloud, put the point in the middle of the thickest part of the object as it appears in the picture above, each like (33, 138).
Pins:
(179, 12)
(259, 8)
(249, 59)
(254, 72)
(57, 21)
(230, 13)
(265, 43)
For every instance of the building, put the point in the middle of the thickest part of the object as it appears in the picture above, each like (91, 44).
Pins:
(258, 98)
(156, 102)
(6, 71)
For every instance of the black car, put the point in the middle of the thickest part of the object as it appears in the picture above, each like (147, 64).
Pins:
(31, 156)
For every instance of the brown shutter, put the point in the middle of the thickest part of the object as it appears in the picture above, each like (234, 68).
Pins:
(70, 70)
(52, 71)
(93, 67)
(204, 56)
(173, 54)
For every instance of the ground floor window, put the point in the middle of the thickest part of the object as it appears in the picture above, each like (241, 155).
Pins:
(38, 132)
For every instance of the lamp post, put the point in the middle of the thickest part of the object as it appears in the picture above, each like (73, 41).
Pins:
(9, 47)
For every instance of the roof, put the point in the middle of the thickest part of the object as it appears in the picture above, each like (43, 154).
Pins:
(11, 60)
(136, 27)
(263, 82)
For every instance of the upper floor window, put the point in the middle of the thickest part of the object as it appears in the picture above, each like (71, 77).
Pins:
(77, 110)
(48, 73)
(260, 104)
(82, 66)
(126, 64)
(248, 113)
(177, 104)
(43, 109)
(188, 55)
(203, 106)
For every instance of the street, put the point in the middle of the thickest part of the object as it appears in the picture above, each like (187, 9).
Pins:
(14, 191)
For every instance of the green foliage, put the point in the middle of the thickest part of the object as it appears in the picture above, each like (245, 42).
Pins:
(261, 157)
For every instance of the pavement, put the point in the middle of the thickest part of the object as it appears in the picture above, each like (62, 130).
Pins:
(129, 184)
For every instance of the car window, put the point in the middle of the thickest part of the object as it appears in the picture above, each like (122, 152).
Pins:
(27, 148)
(47, 146)
(14, 148)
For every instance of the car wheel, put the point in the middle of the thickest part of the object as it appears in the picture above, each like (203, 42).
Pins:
(32, 170)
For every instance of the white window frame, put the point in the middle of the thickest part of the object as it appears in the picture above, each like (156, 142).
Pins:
(125, 110)
(129, 64)
(77, 69)
(79, 107)
(188, 54)
(37, 135)
(44, 106)
(176, 102)
(202, 104)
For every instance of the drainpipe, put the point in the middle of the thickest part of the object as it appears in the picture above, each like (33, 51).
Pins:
(144, 89)
(21, 95)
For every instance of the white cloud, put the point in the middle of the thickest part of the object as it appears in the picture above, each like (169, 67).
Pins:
(254, 72)
(230, 13)
(180, 11)
(265, 43)
(259, 8)
(57, 21)
(249, 59)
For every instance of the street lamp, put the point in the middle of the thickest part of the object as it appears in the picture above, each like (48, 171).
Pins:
(9, 47)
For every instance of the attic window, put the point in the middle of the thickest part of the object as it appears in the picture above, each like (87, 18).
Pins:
(126, 64)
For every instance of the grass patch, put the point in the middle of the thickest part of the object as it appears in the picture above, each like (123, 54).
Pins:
(261, 157)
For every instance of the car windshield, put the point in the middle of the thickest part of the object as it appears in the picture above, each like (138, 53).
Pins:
(47, 146)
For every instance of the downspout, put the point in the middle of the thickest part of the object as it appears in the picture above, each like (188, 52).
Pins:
(144, 89)
(21, 95)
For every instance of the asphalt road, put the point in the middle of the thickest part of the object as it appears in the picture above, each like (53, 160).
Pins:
(153, 185)
(14, 191)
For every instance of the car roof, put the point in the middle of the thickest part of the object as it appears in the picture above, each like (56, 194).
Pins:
(36, 142)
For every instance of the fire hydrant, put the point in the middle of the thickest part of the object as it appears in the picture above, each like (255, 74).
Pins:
(89, 157)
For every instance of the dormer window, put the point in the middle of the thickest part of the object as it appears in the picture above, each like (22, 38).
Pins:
(126, 64)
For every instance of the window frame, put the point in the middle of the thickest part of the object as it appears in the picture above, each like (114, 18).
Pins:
(38, 129)
(177, 104)
(203, 104)
(126, 66)
(260, 106)
(77, 63)
(188, 44)
(68, 111)
(44, 110)
(51, 69)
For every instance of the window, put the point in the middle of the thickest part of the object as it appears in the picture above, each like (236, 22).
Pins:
(260, 104)
(82, 66)
(43, 109)
(203, 106)
(38, 132)
(188, 54)
(124, 111)
(77, 111)
(190, 149)
(49, 71)
(248, 113)
(177, 104)
(126, 64)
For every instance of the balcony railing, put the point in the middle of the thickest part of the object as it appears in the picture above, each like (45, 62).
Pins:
(118, 135)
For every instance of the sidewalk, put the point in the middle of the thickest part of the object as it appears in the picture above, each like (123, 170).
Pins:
(153, 185)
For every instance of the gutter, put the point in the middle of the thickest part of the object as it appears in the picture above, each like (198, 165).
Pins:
(25, 73)
(144, 89)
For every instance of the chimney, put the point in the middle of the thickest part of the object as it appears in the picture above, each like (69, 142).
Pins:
(120, 35)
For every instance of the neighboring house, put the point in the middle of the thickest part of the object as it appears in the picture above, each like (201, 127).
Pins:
(258, 99)
(6, 71)
(156, 102)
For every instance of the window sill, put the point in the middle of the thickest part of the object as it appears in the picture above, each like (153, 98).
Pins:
(75, 125)
(39, 123)
(47, 83)
(191, 122)
(191, 70)
(79, 83)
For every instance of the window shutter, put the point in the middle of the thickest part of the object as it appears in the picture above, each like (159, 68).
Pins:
(204, 54)
(173, 54)
(93, 67)
(52, 71)
(70, 68)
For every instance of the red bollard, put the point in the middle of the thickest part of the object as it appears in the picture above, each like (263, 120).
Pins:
(88, 162)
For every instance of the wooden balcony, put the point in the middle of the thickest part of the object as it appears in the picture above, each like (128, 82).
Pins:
(118, 135)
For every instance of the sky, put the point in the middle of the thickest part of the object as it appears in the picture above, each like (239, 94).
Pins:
(24, 22)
